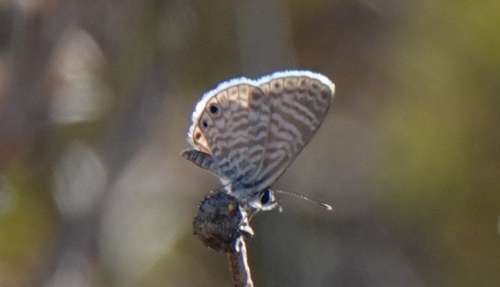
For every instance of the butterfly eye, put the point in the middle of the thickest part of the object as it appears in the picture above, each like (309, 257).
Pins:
(265, 197)
(214, 109)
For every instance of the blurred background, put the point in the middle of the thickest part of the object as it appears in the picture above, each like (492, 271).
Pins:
(96, 98)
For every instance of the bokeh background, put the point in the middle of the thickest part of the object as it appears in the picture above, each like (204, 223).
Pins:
(95, 102)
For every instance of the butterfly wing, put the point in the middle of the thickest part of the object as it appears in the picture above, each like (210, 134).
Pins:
(230, 126)
(299, 101)
(251, 131)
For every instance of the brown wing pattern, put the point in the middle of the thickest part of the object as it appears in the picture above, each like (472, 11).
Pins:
(251, 131)
(233, 128)
(298, 106)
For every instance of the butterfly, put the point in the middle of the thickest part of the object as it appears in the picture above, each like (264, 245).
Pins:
(248, 132)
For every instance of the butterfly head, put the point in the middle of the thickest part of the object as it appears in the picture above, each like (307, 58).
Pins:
(263, 200)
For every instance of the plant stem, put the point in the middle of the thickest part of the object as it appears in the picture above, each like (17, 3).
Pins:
(239, 265)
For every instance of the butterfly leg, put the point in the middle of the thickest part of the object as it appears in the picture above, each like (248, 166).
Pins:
(201, 159)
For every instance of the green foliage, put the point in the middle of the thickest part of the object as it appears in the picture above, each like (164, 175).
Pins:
(25, 228)
(442, 131)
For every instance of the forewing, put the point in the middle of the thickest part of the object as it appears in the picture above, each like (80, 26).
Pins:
(299, 102)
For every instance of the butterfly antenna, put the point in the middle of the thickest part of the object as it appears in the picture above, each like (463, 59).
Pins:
(301, 196)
